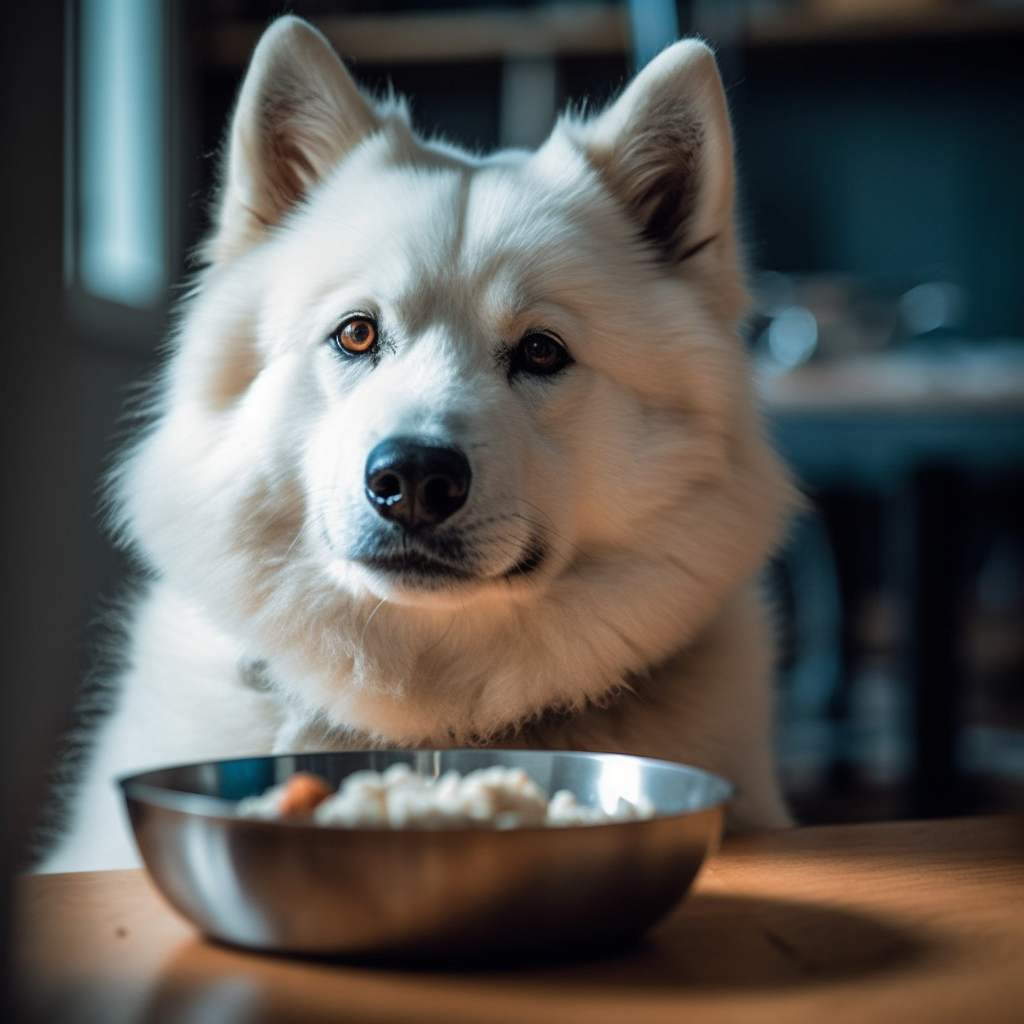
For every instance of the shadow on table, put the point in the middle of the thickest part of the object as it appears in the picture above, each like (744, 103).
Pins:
(719, 941)
(714, 944)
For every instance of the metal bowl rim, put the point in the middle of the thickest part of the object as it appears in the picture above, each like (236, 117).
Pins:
(135, 787)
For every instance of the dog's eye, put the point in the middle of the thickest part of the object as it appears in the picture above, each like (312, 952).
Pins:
(356, 336)
(539, 354)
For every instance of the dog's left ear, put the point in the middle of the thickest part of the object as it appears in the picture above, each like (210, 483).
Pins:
(664, 147)
(298, 114)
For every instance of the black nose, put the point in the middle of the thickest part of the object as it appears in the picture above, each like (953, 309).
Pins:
(416, 484)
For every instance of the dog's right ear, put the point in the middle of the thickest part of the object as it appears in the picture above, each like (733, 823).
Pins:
(298, 114)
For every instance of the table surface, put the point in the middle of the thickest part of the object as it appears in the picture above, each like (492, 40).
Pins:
(899, 921)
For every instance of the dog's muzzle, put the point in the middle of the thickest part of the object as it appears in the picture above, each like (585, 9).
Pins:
(416, 484)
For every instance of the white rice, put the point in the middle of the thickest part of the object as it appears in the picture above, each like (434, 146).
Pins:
(398, 798)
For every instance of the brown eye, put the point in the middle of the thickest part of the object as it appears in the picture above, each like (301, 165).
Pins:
(356, 336)
(539, 354)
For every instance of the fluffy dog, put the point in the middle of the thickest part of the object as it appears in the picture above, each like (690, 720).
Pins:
(453, 450)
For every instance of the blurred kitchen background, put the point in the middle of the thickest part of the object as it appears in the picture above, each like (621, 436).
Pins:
(881, 151)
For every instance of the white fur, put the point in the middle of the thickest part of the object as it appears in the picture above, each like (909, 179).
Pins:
(640, 467)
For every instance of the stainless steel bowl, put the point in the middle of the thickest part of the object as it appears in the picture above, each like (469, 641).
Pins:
(315, 889)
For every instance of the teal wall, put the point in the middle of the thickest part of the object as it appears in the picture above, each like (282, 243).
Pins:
(891, 162)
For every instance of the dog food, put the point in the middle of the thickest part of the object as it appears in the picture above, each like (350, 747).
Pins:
(497, 797)
(302, 794)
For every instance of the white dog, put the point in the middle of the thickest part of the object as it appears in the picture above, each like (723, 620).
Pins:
(453, 450)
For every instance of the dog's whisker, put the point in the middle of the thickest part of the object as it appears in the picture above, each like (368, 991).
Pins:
(545, 523)
(302, 531)
(441, 638)
(366, 625)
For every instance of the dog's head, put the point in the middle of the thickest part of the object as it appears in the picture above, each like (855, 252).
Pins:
(448, 439)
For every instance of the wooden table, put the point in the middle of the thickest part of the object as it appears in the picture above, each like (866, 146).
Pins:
(908, 921)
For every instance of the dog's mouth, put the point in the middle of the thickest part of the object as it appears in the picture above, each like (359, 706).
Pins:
(419, 568)
(416, 564)
(530, 563)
